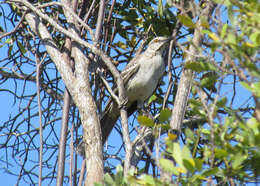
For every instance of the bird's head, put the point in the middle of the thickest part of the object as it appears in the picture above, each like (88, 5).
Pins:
(158, 44)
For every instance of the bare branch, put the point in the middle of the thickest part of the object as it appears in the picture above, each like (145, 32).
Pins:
(15, 28)
(38, 72)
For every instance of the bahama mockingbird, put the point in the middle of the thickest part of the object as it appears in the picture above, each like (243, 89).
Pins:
(141, 77)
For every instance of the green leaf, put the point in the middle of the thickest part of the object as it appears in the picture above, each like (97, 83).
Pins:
(222, 102)
(9, 41)
(147, 180)
(255, 38)
(238, 160)
(254, 87)
(198, 164)
(165, 114)
(214, 37)
(231, 39)
(132, 179)
(186, 152)
(253, 124)
(189, 134)
(205, 131)
(119, 177)
(160, 8)
(200, 66)
(21, 47)
(188, 165)
(10, 51)
(204, 22)
(133, 41)
(119, 168)
(145, 121)
(209, 80)
(193, 66)
(108, 179)
(151, 99)
(168, 166)
(131, 16)
(245, 85)
(195, 103)
(121, 45)
(221, 153)
(164, 126)
(186, 21)
(212, 171)
(177, 154)
(223, 31)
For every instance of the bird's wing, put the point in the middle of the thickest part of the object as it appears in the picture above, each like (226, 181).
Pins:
(130, 70)
(112, 112)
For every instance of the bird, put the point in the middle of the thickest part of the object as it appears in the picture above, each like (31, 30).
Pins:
(141, 76)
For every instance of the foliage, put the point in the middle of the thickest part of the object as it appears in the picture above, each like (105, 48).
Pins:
(225, 152)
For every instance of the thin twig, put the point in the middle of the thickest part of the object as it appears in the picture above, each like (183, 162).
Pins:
(71, 154)
(38, 72)
(15, 28)
(113, 95)
(82, 172)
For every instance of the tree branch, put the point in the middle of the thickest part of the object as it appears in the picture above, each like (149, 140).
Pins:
(185, 83)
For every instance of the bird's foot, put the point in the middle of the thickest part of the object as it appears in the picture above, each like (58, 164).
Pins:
(143, 110)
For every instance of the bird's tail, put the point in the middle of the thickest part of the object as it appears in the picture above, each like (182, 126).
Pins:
(109, 119)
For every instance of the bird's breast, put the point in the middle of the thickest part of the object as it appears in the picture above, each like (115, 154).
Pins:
(143, 84)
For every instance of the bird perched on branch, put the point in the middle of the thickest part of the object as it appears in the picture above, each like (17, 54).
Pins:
(141, 77)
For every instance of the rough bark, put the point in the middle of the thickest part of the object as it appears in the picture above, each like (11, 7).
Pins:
(80, 90)
(185, 83)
